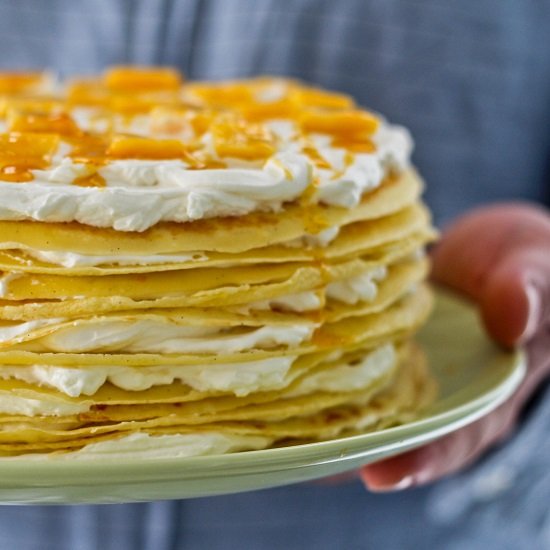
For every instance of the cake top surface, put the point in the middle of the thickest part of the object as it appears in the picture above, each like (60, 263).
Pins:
(138, 146)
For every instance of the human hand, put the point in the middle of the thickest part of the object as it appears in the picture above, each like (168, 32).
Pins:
(499, 256)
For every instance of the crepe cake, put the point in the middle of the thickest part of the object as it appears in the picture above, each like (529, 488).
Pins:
(193, 268)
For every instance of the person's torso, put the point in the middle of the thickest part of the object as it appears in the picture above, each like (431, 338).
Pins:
(470, 79)
(472, 82)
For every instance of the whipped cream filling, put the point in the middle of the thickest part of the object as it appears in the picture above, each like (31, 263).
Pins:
(346, 183)
(319, 240)
(143, 445)
(348, 378)
(346, 189)
(237, 378)
(150, 336)
(240, 379)
(73, 259)
(142, 193)
(300, 302)
(17, 405)
(17, 333)
(5, 281)
(394, 145)
(360, 288)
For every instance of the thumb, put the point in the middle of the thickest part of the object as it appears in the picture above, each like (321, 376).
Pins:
(500, 257)
(516, 299)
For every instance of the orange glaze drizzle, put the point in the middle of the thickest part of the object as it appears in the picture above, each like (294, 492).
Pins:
(179, 115)
(348, 161)
(13, 83)
(233, 137)
(140, 79)
(93, 180)
(41, 122)
(323, 338)
(17, 173)
(316, 158)
(30, 103)
(22, 152)
(128, 147)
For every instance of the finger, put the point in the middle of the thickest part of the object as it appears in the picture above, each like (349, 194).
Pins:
(516, 299)
(499, 256)
(538, 359)
(338, 479)
(442, 457)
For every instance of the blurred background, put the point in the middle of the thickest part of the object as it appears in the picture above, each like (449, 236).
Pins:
(470, 79)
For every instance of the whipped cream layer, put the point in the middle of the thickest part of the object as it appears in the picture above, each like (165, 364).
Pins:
(349, 377)
(5, 281)
(351, 290)
(300, 302)
(45, 406)
(320, 240)
(20, 331)
(239, 379)
(143, 445)
(141, 193)
(360, 288)
(73, 259)
(104, 335)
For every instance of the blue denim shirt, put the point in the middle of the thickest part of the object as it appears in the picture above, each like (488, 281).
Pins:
(471, 79)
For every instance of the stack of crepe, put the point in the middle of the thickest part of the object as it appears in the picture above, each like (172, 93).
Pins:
(200, 268)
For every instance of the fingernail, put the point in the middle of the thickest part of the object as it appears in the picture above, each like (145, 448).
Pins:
(535, 312)
(402, 484)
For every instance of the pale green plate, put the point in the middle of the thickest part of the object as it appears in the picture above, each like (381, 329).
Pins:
(474, 377)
